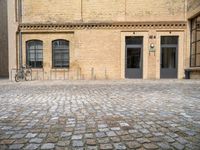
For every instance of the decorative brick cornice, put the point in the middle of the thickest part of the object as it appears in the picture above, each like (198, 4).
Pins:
(118, 25)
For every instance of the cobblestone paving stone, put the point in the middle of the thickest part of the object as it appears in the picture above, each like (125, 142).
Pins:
(128, 114)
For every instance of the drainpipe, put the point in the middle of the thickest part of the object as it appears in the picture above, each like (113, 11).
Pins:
(20, 33)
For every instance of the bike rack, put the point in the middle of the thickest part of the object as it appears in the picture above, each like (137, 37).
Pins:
(61, 74)
(15, 71)
(54, 73)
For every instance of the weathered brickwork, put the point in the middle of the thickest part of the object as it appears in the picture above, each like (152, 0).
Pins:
(102, 10)
(193, 4)
(51, 11)
(151, 10)
(100, 55)
(103, 52)
(97, 52)
(193, 8)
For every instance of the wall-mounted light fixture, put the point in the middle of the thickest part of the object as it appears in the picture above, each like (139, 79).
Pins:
(152, 48)
(152, 45)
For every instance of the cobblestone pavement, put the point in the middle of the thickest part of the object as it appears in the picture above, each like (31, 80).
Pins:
(129, 114)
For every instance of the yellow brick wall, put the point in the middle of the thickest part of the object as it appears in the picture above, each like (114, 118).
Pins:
(97, 53)
(103, 10)
(155, 10)
(53, 11)
(193, 7)
(97, 50)
(47, 48)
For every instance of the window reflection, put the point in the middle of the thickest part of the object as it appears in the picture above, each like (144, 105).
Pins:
(195, 42)
(60, 53)
(34, 53)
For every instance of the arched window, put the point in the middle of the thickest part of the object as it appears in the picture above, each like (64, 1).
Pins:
(60, 54)
(34, 53)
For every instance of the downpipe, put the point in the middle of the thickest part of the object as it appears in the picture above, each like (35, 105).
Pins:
(20, 33)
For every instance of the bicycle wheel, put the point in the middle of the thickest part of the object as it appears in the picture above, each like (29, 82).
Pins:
(28, 75)
(17, 78)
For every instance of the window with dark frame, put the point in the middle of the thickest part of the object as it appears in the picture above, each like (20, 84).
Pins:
(168, 51)
(195, 42)
(60, 54)
(134, 56)
(34, 53)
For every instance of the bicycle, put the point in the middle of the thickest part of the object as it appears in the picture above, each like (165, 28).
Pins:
(24, 73)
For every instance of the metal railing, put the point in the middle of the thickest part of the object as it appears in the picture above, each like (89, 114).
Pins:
(55, 74)
(64, 74)
(38, 74)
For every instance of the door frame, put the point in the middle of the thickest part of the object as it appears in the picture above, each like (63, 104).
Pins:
(169, 46)
(180, 54)
(141, 55)
(145, 35)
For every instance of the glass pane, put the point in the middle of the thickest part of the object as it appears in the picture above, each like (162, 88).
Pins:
(193, 48)
(64, 63)
(65, 57)
(39, 64)
(198, 60)
(57, 63)
(194, 23)
(39, 58)
(31, 45)
(32, 51)
(32, 55)
(38, 54)
(134, 40)
(35, 54)
(198, 35)
(169, 40)
(38, 45)
(168, 57)
(198, 47)
(57, 57)
(193, 35)
(133, 57)
(62, 44)
(198, 23)
(31, 63)
(60, 53)
(193, 64)
(55, 44)
(32, 59)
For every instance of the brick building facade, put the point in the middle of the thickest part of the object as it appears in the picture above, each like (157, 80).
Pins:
(103, 39)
